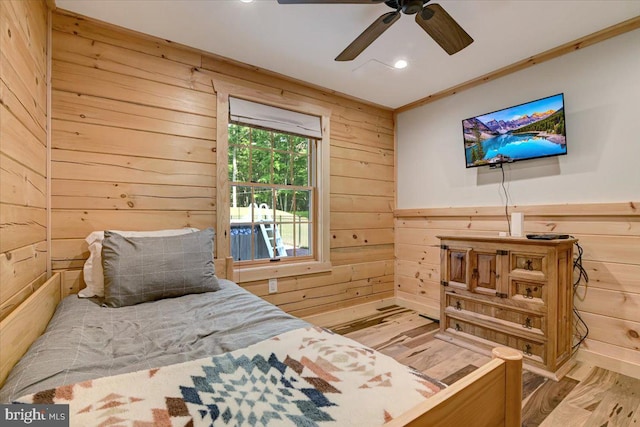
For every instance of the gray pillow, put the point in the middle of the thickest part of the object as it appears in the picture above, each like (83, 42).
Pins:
(140, 269)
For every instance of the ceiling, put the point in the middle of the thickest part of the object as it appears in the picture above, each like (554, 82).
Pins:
(301, 41)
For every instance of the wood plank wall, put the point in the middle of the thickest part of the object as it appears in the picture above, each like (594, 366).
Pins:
(23, 150)
(133, 147)
(609, 234)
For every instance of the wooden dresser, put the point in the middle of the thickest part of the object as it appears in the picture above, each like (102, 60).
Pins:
(514, 292)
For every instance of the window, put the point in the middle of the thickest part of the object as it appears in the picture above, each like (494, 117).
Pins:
(272, 184)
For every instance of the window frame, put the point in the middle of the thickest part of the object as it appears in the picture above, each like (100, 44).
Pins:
(284, 268)
(311, 186)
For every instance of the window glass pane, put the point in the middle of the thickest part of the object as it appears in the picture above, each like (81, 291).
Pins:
(301, 170)
(284, 205)
(238, 164)
(264, 241)
(302, 206)
(261, 166)
(260, 138)
(281, 141)
(238, 135)
(300, 144)
(240, 198)
(240, 239)
(282, 168)
(303, 223)
(263, 204)
(268, 219)
(240, 230)
(284, 239)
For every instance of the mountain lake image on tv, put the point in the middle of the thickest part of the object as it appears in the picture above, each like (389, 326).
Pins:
(526, 131)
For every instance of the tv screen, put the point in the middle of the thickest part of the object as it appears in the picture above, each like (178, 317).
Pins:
(526, 131)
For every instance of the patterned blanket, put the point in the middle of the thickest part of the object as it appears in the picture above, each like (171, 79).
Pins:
(306, 377)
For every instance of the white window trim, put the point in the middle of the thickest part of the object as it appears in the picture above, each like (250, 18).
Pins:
(268, 96)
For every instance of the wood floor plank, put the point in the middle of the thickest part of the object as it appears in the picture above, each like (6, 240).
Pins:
(635, 420)
(586, 396)
(545, 400)
(530, 383)
(368, 321)
(566, 416)
(461, 359)
(460, 373)
(590, 392)
(619, 404)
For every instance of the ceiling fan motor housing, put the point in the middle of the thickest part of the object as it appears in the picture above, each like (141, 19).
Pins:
(408, 7)
(411, 7)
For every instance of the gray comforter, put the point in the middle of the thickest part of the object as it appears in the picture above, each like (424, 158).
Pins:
(85, 341)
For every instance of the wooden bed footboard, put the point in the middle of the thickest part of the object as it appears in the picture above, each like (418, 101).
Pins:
(490, 396)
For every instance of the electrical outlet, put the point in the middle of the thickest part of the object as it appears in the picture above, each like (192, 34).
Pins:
(273, 286)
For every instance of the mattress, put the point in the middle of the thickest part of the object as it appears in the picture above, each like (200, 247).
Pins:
(86, 341)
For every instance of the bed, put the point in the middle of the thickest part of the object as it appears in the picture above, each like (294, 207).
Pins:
(227, 358)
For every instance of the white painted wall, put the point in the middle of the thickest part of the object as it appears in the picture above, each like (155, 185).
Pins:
(601, 86)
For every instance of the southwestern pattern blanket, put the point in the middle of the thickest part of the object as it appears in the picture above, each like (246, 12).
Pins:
(305, 377)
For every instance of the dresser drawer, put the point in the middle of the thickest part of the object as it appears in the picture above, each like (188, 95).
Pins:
(528, 291)
(512, 318)
(529, 265)
(530, 349)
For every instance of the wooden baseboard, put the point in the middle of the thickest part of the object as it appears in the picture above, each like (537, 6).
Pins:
(625, 367)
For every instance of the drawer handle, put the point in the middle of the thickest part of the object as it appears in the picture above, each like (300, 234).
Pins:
(527, 323)
(458, 305)
(529, 265)
(529, 293)
(527, 350)
(458, 327)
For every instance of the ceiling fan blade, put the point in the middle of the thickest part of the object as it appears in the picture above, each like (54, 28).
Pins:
(329, 1)
(443, 28)
(368, 36)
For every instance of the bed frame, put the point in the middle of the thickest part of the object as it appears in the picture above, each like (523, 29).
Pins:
(490, 396)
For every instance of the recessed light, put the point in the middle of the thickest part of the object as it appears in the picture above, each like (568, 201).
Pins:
(246, 1)
(400, 64)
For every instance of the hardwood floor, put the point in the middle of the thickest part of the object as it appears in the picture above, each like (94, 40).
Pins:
(586, 396)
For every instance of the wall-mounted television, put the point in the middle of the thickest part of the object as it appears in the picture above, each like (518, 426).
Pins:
(526, 131)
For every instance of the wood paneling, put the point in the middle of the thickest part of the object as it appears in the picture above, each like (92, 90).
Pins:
(20, 144)
(23, 150)
(20, 267)
(112, 140)
(21, 226)
(135, 145)
(153, 46)
(116, 168)
(73, 194)
(21, 185)
(76, 224)
(607, 232)
(106, 84)
(120, 114)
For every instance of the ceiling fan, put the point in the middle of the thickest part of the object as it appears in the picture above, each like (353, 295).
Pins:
(432, 18)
